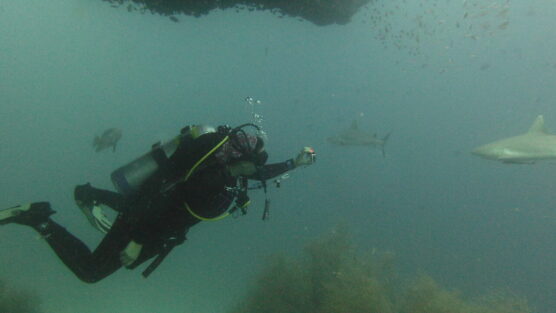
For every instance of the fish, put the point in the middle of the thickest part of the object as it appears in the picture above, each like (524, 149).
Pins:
(109, 138)
(353, 136)
(533, 146)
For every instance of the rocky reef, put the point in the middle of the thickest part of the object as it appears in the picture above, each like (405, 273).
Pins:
(319, 12)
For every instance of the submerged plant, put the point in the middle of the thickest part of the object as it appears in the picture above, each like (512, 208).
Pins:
(501, 301)
(332, 278)
(17, 301)
(424, 295)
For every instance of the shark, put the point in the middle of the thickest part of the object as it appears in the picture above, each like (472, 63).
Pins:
(353, 136)
(109, 138)
(535, 145)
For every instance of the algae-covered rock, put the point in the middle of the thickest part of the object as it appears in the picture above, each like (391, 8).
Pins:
(286, 282)
(333, 278)
(424, 295)
(501, 301)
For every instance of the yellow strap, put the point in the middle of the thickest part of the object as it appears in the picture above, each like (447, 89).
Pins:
(191, 172)
(205, 157)
(213, 219)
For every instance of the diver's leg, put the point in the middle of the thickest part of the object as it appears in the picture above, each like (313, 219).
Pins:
(77, 256)
(87, 195)
(87, 266)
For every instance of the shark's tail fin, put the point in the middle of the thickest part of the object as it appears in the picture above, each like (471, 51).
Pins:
(384, 140)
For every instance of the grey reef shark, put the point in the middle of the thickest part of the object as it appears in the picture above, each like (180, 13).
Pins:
(353, 136)
(535, 145)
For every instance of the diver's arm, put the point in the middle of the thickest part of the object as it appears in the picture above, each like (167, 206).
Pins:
(307, 156)
(272, 170)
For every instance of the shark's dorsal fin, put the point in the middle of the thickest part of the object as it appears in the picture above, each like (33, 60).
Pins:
(355, 125)
(538, 126)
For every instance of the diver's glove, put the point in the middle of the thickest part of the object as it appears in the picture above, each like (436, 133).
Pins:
(307, 156)
(130, 254)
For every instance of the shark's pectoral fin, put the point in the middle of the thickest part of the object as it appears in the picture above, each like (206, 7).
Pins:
(510, 161)
(385, 138)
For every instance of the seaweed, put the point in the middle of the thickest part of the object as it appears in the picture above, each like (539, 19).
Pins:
(424, 295)
(332, 277)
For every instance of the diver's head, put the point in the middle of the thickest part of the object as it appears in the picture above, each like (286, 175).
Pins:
(242, 146)
(259, 156)
(250, 160)
(252, 149)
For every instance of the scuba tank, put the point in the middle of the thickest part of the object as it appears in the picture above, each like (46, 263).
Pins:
(130, 177)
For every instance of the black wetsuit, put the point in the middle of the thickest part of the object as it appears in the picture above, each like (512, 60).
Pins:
(153, 217)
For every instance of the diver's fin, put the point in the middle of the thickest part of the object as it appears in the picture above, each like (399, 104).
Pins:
(30, 214)
(7, 215)
(102, 222)
(96, 218)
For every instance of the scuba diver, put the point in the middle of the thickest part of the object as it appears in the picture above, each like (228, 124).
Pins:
(201, 175)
